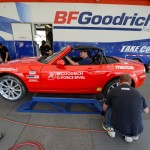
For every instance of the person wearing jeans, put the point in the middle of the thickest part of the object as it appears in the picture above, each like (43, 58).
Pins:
(123, 107)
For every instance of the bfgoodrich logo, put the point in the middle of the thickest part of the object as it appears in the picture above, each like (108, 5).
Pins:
(84, 18)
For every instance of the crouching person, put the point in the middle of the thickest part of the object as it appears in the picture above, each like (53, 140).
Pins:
(123, 107)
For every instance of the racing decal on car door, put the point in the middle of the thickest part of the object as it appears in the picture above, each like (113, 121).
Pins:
(32, 72)
(8, 69)
(125, 67)
(33, 78)
(51, 76)
(67, 75)
(110, 67)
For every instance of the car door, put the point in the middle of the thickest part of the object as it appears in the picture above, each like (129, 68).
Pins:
(69, 78)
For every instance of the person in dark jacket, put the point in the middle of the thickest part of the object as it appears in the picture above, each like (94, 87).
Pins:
(45, 49)
(4, 53)
(125, 114)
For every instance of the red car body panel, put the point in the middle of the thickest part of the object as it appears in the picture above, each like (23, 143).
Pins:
(55, 78)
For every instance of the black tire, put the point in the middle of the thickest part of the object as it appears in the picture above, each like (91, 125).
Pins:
(137, 59)
(11, 88)
(110, 85)
(147, 67)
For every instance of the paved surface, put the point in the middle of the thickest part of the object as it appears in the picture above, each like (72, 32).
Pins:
(60, 139)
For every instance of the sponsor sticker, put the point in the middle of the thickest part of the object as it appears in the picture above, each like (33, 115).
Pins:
(125, 67)
(32, 72)
(66, 75)
(33, 80)
(32, 76)
(51, 76)
(110, 67)
(8, 69)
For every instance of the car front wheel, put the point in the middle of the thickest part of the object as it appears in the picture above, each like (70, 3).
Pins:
(11, 88)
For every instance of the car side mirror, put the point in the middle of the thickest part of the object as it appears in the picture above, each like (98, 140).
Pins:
(60, 63)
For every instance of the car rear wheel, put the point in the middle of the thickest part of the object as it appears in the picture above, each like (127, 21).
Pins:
(137, 59)
(11, 88)
(148, 67)
(110, 85)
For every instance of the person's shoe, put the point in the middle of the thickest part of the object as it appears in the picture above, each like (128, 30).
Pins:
(109, 130)
(1, 136)
(135, 138)
(128, 139)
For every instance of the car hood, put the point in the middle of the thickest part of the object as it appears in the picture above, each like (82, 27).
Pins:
(19, 62)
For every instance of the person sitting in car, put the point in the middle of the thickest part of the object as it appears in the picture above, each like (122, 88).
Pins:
(85, 59)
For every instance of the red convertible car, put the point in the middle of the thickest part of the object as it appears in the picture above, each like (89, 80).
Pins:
(54, 74)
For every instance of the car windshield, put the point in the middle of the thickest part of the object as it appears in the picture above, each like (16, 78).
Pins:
(49, 58)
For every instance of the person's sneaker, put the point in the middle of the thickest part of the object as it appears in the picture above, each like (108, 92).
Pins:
(135, 138)
(128, 139)
(109, 130)
(1, 136)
